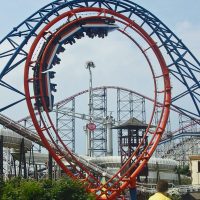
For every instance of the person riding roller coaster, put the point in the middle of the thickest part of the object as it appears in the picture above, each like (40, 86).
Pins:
(65, 34)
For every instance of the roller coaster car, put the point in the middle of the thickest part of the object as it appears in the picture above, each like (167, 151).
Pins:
(79, 35)
(60, 49)
(56, 60)
(92, 27)
(100, 27)
(52, 74)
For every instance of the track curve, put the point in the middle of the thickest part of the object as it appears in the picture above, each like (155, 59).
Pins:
(118, 182)
(183, 67)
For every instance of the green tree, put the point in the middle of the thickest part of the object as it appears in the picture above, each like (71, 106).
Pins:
(1, 187)
(10, 190)
(31, 190)
(64, 189)
(183, 170)
(73, 190)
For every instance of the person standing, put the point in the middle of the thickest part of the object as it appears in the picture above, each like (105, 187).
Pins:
(161, 194)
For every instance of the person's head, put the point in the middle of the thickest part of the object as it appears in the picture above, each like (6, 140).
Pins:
(162, 186)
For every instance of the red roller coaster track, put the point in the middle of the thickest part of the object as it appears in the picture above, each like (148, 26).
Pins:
(113, 187)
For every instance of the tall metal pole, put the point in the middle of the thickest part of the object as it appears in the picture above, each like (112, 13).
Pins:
(1, 157)
(89, 151)
(50, 167)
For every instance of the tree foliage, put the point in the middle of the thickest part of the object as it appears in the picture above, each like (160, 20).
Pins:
(183, 170)
(64, 189)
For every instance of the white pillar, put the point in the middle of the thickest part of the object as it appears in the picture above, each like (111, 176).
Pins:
(109, 136)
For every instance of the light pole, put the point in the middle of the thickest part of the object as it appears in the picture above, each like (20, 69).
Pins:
(89, 66)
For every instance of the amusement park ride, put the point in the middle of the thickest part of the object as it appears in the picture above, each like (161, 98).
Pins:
(36, 45)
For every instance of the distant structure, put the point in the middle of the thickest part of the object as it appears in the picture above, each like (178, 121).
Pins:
(129, 139)
(195, 169)
(130, 135)
(37, 42)
(13, 149)
(89, 132)
(181, 144)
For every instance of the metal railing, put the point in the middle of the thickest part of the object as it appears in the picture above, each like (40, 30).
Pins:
(182, 189)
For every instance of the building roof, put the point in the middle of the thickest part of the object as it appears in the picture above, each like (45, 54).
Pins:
(13, 140)
(194, 157)
(132, 123)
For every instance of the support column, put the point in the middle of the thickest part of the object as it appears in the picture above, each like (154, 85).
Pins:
(1, 157)
(14, 163)
(132, 189)
(36, 172)
(22, 160)
(50, 166)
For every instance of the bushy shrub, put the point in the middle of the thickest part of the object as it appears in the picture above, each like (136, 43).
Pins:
(64, 189)
(70, 189)
(174, 194)
(10, 190)
(31, 190)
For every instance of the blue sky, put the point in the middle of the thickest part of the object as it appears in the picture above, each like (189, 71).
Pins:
(171, 11)
(176, 14)
(182, 18)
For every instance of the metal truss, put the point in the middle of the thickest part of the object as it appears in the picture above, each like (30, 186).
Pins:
(99, 135)
(183, 143)
(124, 106)
(130, 105)
(180, 148)
(187, 125)
(32, 136)
(65, 123)
(183, 66)
(168, 132)
(27, 122)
